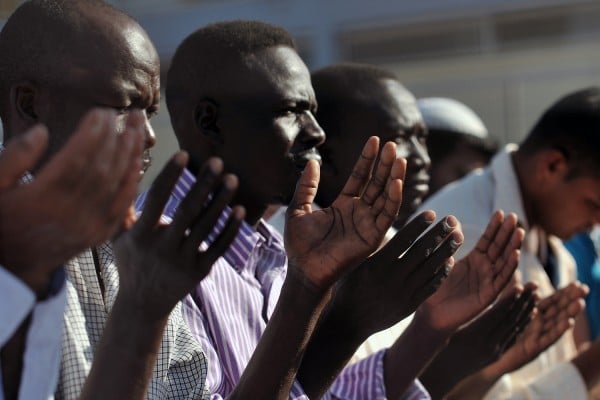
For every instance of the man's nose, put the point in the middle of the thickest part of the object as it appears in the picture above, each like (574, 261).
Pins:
(417, 155)
(312, 133)
(149, 136)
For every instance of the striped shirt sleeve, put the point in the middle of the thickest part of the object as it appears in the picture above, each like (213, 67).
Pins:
(364, 380)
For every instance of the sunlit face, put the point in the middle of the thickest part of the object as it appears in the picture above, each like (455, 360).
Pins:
(569, 207)
(268, 126)
(123, 75)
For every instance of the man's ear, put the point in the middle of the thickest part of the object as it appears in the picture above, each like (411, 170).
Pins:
(206, 116)
(554, 164)
(24, 98)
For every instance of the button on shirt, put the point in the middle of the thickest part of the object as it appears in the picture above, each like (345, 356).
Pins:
(230, 308)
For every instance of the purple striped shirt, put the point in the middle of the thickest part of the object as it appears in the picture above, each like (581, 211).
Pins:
(230, 309)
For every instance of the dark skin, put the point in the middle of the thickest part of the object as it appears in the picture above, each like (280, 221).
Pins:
(453, 304)
(555, 316)
(272, 115)
(481, 342)
(288, 130)
(173, 265)
(397, 119)
(98, 198)
(120, 72)
(338, 241)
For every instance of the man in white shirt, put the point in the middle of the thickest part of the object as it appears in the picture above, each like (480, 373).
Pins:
(551, 182)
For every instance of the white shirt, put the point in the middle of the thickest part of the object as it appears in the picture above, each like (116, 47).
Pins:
(473, 200)
(42, 349)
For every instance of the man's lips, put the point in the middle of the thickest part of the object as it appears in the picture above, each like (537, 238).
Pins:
(146, 162)
(418, 186)
(301, 159)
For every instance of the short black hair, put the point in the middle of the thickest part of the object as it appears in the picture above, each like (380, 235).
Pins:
(343, 87)
(35, 42)
(202, 62)
(571, 125)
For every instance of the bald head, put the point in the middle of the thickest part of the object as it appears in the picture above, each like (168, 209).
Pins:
(58, 52)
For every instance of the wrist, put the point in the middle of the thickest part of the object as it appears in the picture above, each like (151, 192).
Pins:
(138, 308)
(423, 324)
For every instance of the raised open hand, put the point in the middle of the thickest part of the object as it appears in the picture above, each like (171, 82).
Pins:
(78, 199)
(482, 341)
(159, 264)
(325, 244)
(476, 280)
(555, 316)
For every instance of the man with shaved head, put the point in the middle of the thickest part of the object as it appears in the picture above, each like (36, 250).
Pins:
(254, 106)
(60, 59)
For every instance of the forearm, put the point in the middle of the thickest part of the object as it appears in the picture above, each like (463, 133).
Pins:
(449, 367)
(588, 366)
(327, 354)
(474, 387)
(126, 354)
(274, 364)
(410, 355)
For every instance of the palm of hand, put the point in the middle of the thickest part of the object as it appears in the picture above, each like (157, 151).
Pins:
(466, 291)
(328, 241)
(324, 245)
(478, 278)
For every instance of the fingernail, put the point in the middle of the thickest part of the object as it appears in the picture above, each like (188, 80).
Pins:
(447, 226)
(454, 244)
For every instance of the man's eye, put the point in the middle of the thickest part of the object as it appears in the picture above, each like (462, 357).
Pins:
(121, 110)
(151, 112)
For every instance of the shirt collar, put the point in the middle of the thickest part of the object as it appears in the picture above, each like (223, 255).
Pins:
(247, 240)
(508, 192)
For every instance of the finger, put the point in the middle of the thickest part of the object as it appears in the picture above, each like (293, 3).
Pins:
(306, 189)
(72, 162)
(210, 218)
(398, 172)
(375, 186)
(490, 231)
(431, 285)
(362, 169)
(427, 243)
(386, 217)
(132, 141)
(502, 238)
(504, 271)
(405, 237)
(127, 144)
(21, 154)
(207, 258)
(433, 263)
(549, 337)
(160, 191)
(195, 202)
(516, 317)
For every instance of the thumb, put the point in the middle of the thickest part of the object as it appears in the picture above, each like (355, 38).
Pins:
(306, 189)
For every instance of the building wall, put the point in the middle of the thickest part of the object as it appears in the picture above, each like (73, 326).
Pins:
(507, 59)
